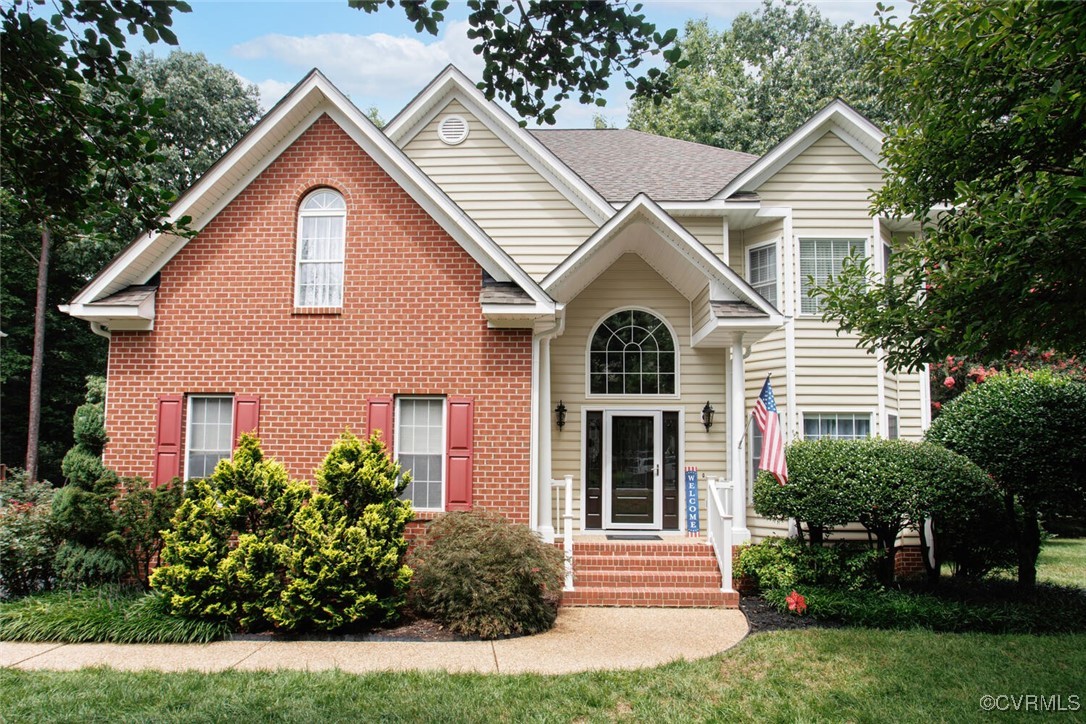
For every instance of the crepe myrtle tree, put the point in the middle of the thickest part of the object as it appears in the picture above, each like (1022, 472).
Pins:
(1028, 431)
(990, 153)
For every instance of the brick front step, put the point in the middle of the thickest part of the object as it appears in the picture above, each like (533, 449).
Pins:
(650, 573)
(672, 597)
(647, 579)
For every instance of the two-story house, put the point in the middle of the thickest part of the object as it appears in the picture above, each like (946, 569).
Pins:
(509, 307)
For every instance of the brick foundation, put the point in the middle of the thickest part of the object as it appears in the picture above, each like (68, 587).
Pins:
(909, 562)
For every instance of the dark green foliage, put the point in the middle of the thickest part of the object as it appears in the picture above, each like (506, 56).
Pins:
(988, 609)
(209, 574)
(107, 614)
(785, 563)
(538, 54)
(141, 513)
(992, 98)
(344, 562)
(747, 87)
(1028, 431)
(78, 565)
(885, 485)
(481, 575)
(28, 540)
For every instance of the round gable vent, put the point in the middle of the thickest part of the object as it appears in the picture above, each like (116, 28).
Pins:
(452, 130)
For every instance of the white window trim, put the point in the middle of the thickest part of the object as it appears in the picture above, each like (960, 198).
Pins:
(856, 412)
(189, 398)
(342, 261)
(589, 395)
(752, 470)
(800, 276)
(444, 442)
(776, 269)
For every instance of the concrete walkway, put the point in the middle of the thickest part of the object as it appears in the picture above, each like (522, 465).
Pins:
(584, 639)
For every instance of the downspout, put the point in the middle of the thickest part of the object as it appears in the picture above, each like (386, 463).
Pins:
(100, 329)
(540, 458)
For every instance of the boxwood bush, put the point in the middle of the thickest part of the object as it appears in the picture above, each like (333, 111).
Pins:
(784, 563)
(483, 576)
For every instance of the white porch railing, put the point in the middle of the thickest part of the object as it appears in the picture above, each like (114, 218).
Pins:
(720, 528)
(567, 526)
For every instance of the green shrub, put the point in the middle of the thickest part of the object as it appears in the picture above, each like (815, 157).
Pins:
(1052, 610)
(885, 485)
(220, 559)
(141, 513)
(27, 538)
(106, 614)
(1029, 432)
(482, 576)
(784, 563)
(344, 561)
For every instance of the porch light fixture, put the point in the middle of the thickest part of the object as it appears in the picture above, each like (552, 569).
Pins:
(560, 415)
(707, 415)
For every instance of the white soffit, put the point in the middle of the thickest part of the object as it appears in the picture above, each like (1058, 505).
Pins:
(639, 228)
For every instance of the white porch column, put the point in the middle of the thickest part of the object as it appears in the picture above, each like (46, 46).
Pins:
(546, 521)
(737, 460)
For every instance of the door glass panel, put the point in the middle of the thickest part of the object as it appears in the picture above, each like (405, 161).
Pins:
(633, 464)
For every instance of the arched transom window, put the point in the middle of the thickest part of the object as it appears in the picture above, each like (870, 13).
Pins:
(321, 228)
(632, 353)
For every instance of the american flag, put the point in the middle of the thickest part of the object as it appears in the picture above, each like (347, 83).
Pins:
(769, 422)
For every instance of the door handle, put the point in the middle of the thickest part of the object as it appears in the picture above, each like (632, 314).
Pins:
(657, 468)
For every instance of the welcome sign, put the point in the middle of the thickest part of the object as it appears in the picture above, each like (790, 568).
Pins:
(693, 513)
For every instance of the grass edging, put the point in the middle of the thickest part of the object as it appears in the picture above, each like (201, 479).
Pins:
(107, 614)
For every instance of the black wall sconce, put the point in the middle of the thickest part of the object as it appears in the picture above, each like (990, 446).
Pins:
(707, 415)
(560, 415)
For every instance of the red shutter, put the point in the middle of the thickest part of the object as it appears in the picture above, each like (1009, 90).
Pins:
(246, 416)
(459, 453)
(168, 439)
(379, 417)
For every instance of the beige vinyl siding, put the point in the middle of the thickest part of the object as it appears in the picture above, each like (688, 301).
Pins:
(631, 282)
(701, 311)
(707, 230)
(909, 402)
(514, 204)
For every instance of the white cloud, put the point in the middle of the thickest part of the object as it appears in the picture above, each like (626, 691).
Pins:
(373, 69)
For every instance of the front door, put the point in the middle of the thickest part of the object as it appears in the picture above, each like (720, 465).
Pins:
(632, 458)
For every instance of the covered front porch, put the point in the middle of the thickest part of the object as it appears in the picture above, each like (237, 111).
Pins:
(641, 402)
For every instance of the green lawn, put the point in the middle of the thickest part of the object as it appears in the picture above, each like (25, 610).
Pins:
(814, 675)
(1063, 561)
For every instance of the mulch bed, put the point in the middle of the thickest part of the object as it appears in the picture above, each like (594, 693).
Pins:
(407, 629)
(761, 616)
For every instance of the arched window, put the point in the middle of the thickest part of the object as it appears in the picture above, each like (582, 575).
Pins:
(632, 352)
(322, 222)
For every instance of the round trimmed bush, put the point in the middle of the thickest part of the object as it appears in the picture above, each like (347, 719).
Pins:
(483, 576)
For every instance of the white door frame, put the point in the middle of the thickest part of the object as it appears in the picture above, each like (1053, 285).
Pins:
(658, 461)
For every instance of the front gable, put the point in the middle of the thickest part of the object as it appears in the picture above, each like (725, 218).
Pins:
(311, 101)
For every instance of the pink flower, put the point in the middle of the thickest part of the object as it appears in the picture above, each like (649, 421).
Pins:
(948, 382)
(937, 405)
(797, 604)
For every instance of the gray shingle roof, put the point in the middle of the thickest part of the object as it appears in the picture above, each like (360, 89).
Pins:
(131, 296)
(728, 310)
(620, 163)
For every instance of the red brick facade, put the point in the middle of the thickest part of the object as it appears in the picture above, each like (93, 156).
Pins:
(411, 324)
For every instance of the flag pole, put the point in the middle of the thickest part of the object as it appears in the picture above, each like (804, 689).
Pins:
(746, 427)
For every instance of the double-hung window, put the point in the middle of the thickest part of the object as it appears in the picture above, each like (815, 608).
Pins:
(210, 433)
(420, 449)
(822, 259)
(836, 425)
(762, 268)
(322, 222)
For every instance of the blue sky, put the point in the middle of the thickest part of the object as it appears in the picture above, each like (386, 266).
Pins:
(379, 60)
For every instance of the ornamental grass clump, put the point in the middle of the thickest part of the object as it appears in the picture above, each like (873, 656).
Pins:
(483, 576)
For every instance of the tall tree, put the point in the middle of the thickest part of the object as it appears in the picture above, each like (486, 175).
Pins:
(205, 109)
(992, 147)
(746, 88)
